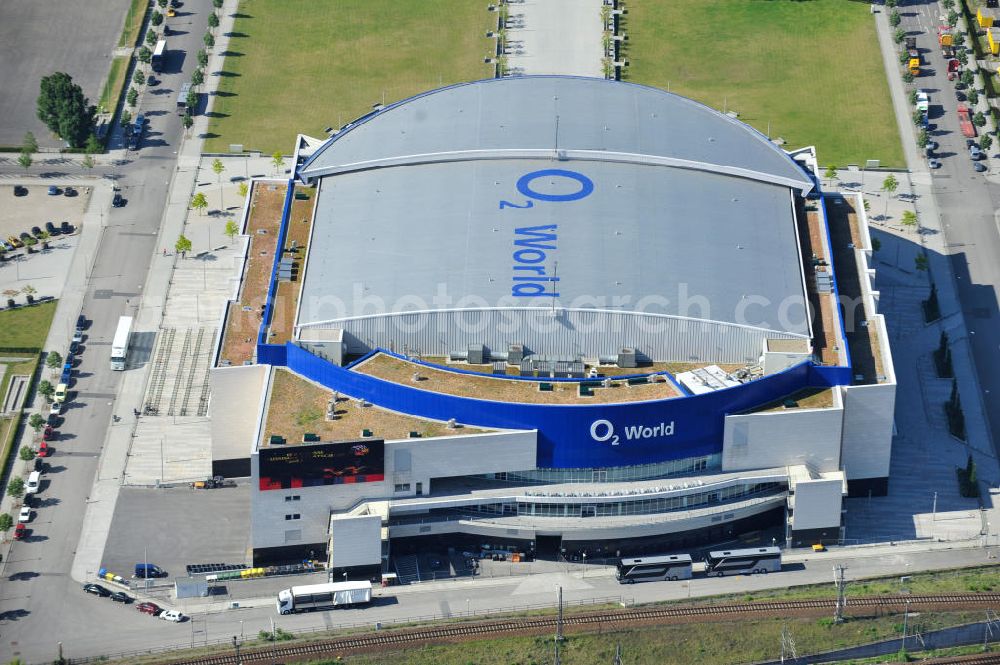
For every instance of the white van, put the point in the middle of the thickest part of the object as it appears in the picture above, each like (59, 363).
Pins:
(32, 485)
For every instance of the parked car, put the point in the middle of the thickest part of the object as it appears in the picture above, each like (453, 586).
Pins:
(61, 391)
(979, 167)
(66, 227)
(151, 80)
(118, 201)
(36, 231)
(81, 321)
(39, 466)
(975, 153)
(97, 590)
(77, 336)
(48, 433)
(54, 191)
(43, 449)
(172, 615)
(56, 409)
(20, 531)
(140, 123)
(20, 190)
(14, 242)
(69, 191)
(52, 229)
(34, 482)
(151, 609)
(6, 246)
(933, 163)
(26, 237)
(25, 515)
(148, 570)
(75, 348)
(121, 597)
(931, 145)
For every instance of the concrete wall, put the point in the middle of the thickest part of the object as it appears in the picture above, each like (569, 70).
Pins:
(763, 440)
(234, 411)
(407, 461)
(356, 541)
(868, 419)
(817, 504)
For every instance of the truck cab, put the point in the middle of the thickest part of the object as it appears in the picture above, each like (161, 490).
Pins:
(285, 603)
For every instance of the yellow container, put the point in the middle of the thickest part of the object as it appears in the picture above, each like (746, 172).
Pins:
(984, 18)
(245, 573)
(993, 37)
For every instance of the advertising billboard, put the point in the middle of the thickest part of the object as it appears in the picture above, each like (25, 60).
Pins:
(313, 465)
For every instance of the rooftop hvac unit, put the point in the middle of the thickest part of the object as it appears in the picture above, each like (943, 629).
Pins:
(476, 354)
(515, 354)
(626, 358)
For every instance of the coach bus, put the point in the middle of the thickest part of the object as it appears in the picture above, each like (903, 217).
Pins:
(157, 60)
(324, 596)
(671, 567)
(743, 562)
(120, 344)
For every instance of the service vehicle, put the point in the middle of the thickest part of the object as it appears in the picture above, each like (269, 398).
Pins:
(743, 562)
(324, 596)
(671, 567)
(120, 343)
(156, 61)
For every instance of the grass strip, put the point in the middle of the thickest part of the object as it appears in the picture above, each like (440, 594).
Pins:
(115, 84)
(133, 23)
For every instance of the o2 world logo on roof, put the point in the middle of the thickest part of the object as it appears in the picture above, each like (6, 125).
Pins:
(604, 430)
(531, 275)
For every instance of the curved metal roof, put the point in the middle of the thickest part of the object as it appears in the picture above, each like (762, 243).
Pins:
(539, 117)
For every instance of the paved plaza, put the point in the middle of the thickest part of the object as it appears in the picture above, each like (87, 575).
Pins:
(555, 37)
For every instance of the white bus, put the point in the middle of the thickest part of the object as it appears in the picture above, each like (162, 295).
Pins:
(324, 596)
(156, 62)
(119, 347)
(671, 567)
(743, 562)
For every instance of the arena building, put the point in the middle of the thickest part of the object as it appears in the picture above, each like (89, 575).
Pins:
(556, 315)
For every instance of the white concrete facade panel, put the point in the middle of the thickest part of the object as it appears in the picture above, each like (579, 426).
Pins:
(760, 440)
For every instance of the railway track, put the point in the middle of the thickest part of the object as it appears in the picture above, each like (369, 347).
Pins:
(464, 631)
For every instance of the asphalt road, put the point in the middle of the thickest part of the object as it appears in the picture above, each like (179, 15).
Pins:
(39, 603)
(968, 204)
(41, 37)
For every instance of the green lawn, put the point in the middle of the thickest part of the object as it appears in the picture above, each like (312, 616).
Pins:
(813, 70)
(114, 84)
(26, 326)
(133, 23)
(298, 66)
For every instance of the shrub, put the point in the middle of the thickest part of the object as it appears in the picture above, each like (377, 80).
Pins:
(978, 119)
(53, 360)
(15, 487)
(894, 18)
(907, 77)
(156, 19)
(26, 453)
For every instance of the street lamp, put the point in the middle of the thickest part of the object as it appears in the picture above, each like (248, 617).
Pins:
(468, 607)
(584, 565)
(236, 646)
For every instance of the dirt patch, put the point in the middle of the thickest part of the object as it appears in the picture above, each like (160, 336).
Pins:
(245, 315)
(286, 301)
(499, 389)
(298, 406)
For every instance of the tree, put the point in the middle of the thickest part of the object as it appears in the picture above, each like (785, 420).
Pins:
(156, 19)
(972, 97)
(909, 218)
(138, 78)
(187, 121)
(231, 230)
(891, 4)
(151, 37)
(963, 58)
(985, 142)
(199, 202)
(890, 184)
(144, 55)
(6, 522)
(209, 40)
(922, 138)
(162, 3)
(918, 118)
(912, 96)
(958, 38)
(217, 3)
(132, 98)
(899, 35)
(217, 169)
(202, 58)
(15, 487)
(952, 19)
(88, 161)
(198, 77)
(967, 78)
(28, 290)
(126, 117)
(831, 174)
(46, 389)
(183, 245)
(29, 144)
(53, 360)
(213, 21)
(64, 109)
(243, 189)
(894, 18)
(979, 120)
(93, 144)
(278, 160)
(43, 238)
(907, 77)
(192, 100)
(26, 453)
(24, 159)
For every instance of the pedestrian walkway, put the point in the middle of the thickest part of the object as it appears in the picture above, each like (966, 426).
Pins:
(555, 37)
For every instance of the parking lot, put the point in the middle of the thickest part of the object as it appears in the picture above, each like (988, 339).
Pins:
(40, 38)
(43, 269)
(174, 527)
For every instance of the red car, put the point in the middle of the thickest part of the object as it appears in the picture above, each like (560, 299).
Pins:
(43, 449)
(152, 609)
(48, 434)
(20, 531)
